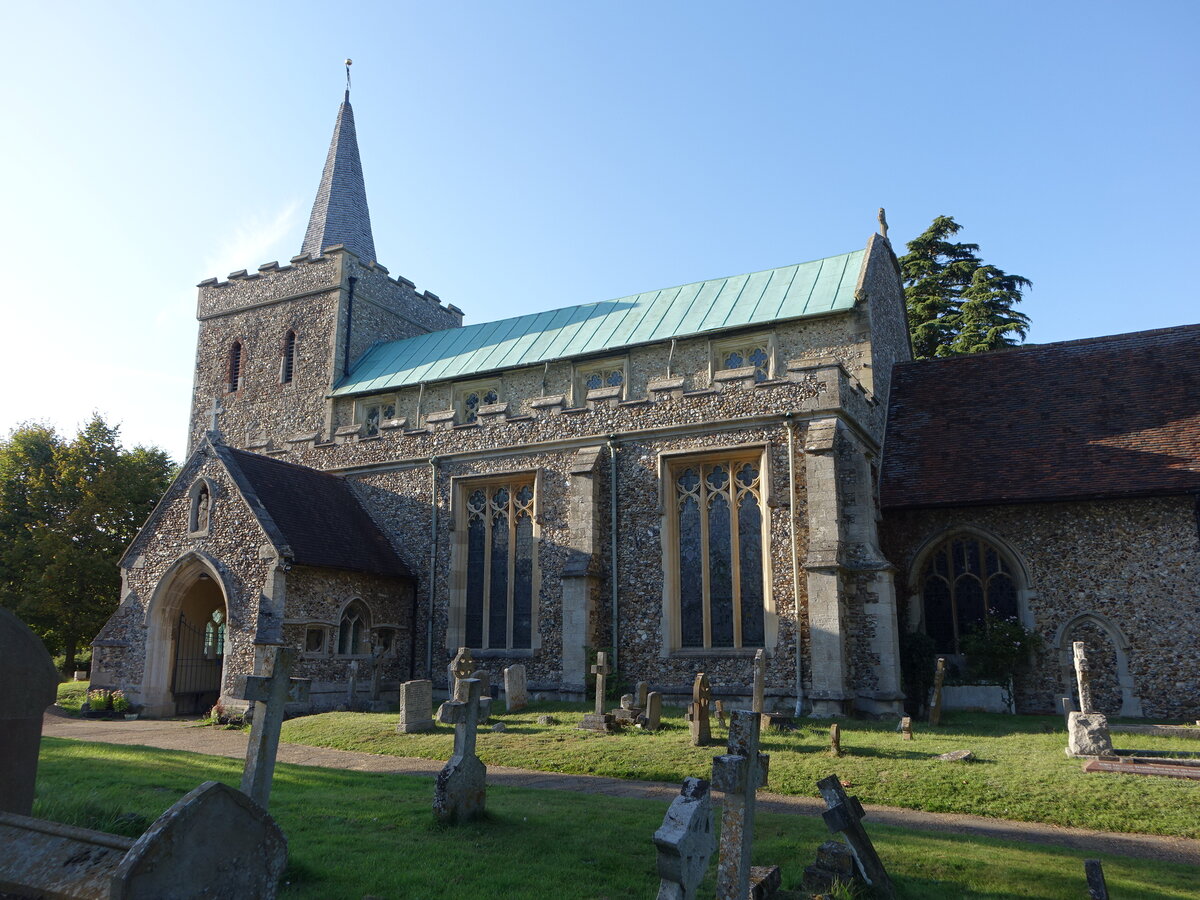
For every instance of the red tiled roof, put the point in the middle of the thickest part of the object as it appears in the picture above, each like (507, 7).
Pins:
(1103, 417)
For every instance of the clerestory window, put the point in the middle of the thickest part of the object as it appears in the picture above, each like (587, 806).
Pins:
(965, 585)
(739, 353)
(469, 397)
(716, 551)
(499, 564)
(604, 374)
(374, 412)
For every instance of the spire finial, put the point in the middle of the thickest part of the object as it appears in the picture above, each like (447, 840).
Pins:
(882, 222)
(349, 63)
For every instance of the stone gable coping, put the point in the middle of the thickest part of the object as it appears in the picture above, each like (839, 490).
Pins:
(240, 273)
(666, 388)
(393, 424)
(442, 420)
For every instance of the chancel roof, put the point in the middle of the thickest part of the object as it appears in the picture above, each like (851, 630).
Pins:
(807, 289)
(1103, 417)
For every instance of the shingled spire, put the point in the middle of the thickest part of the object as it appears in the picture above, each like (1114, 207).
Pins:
(339, 214)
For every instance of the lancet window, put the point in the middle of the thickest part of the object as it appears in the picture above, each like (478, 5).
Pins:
(354, 630)
(500, 565)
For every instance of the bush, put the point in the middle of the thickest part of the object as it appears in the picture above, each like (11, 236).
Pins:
(918, 660)
(119, 702)
(1000, 650)
(99, 700)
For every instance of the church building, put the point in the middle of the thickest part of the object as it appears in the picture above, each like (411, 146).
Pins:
(680, 477)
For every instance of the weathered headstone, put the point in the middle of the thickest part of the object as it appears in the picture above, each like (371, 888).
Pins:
(698, 712)
(845, 814)
(599, 720)
(652, 718)
(906, 728)
(1096, 885)
(739, 773)
(1087, 730)
(1066, 705)
(939, 678)
(835, 739)
(641, 694)
(835, 865)
(484, 677)
(28, 684)
(460, 794)
(416, 706)
(1083, 677)
(270, 692)
(516, 692)
(460, 668)
(628, 713)
(352, 686)
(685, 842)
(377, 703)
(214, 842)
(719, 709)
(955, 756)
(760, 680)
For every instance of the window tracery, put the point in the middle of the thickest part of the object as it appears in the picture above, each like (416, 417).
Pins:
(966, 583)
(354, 629)
(500, 560)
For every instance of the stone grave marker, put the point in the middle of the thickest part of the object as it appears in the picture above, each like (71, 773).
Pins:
(698, 712)
(460, 794)
(628, 713)
(939, 679)
(641, 694)
(460, 668)
(845, 814)
(652, 718)
(1096, 885)
(377, 703)
(835, 739)
(1087, 730)
(835, 865)
(685, 842)
(416, 706)
(352, 686)
(719, 709)
(906, 728)
(739, 773)
(599, 720)
(760, 680)
(484, 677)
(28, 685)
(516, 692)
(270, 693)
(214, 842)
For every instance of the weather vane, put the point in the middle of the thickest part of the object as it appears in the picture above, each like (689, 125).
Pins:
(349, 63)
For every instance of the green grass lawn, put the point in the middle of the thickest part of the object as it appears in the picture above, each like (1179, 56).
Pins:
(71, 695)
(1020, 771)
(352, 835)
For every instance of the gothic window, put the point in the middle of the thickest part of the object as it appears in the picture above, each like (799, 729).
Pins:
(605, 374)
(200, 513)
(289, 358)
(354, 630)
(214, 635)
(468, 398)
(965, 585)
(374, 412)
(233, 376)
(739, 353)
(499, 565)
(717, 508)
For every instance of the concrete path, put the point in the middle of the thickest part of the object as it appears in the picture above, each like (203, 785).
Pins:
(175, 735)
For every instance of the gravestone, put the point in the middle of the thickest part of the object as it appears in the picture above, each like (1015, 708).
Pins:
(416, 705)
(215, 842)
(845, 814)
(760, 680)
(270, 693)
(460, 794)
(628, 713)
(835, 865)
(352, 686)
(484, 677)
(652, 718)
(641, 694)
(460, 668)
(1094, 872)
(377, 703)
(516, 692)
(906, 728)
(739, 773)
(28, 684)
(719, 709)
(697, 713)
(1087, 730)
(599, 720)
(939, 679)
(685, 842)
(835, 739)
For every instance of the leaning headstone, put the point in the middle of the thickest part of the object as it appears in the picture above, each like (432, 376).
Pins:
(939, 678)
(685, 842)
(484, 677)
(416, 704)
(835, 739)
(516, 692)
(739, 773)
(599, 720)
(28, 684)
(352, 686)
(760, 679)
(845, 814)
(1097, 887)
(698, 712)
(1087, 730)
(270, 692)
(652, 718)
(641, 694)
(460, 794)
(214, 842)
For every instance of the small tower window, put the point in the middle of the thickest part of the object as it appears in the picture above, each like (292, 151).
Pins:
(234, 379)
(289, 357)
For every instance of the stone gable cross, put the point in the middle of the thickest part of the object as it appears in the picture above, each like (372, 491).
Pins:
(213, 411)
(460, 669)
(739, 773)
(601, 670)
(270, 692)
(845, 814)
(461, 791)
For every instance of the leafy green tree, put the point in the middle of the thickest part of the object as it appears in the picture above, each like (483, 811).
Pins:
(957, 303)
(67, 512)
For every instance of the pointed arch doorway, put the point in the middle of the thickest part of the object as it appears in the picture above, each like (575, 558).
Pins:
(187, 640)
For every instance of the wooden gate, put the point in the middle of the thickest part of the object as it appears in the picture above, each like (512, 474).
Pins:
(196, 682)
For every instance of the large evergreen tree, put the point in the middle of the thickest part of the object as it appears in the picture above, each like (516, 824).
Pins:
(956, 303)
(68, 509)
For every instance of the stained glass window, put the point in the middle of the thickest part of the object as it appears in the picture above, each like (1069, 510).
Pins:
(469, 400)
(720, 553)
(755, 353)
(373, 413)
(965, 585)
(499, 566)
(214, 635)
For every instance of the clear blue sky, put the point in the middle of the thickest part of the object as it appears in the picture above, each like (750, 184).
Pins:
(523, 156)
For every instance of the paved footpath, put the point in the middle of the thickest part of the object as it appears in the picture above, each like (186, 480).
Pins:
(175, 735)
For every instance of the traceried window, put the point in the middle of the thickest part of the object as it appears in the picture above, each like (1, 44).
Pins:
(288, 368)
(214, 635)
(718, 535)
(739, 353)
(499, 565)
(354, 630)
(374, 412)
(233, 369)
(606, 374)
(468, 399)
(965, 585)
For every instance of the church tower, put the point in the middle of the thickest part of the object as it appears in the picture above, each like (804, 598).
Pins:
(275, 341)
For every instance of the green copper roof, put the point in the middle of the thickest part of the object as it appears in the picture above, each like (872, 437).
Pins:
(807, 289)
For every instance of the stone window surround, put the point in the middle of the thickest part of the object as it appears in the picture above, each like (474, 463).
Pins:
(668, 463)
(581, 370)
(460, 487)
(287, 362)
(462, 389)
(342, 615)
(201, 482)
(363, 406)
(718, 347)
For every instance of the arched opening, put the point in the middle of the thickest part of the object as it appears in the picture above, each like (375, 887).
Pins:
(354, 630)
(186, 640)
(1108, 664)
